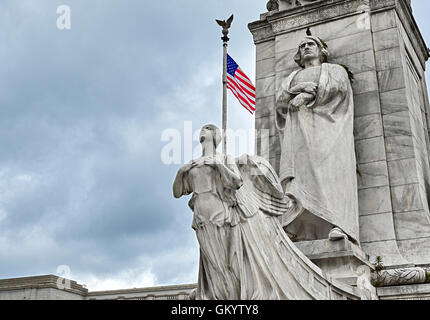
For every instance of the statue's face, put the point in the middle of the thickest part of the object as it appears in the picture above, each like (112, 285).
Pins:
(309, 50)
(206, 134)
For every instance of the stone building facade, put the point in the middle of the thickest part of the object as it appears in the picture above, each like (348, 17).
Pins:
(46, 288)
(51, 287)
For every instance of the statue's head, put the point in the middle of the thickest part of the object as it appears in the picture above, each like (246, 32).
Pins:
(211, 132)
(311, 48)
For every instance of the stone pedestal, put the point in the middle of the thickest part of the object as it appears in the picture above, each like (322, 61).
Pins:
(409, 292)
(381, 44)
(343, 261)
(338, 259)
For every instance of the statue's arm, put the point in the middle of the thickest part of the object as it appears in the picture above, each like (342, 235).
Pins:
(284, 97)
(304, 87)
(282, 106)
(284, 94)
(180, 186)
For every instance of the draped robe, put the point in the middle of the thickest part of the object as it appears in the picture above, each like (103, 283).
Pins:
(318, 165)
(244, 252)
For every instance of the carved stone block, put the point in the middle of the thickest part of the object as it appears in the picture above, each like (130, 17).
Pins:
(343, 261)
(395, 277)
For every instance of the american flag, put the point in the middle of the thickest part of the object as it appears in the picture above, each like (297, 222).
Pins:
(240, 85)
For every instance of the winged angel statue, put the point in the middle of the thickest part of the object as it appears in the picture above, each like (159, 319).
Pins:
(244, 252)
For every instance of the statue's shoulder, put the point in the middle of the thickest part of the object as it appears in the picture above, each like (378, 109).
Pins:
(289, 78)
(333, 66)
(336, 69)
(292, 74)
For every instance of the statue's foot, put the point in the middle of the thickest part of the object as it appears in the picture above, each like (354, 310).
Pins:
(337, 234)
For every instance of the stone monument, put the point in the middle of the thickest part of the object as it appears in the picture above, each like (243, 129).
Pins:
(341, 175)
(244, 252)
(378, 44)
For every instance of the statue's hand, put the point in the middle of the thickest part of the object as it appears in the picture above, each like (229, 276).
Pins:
(306, 87)
(300, 100)
(212, 161)
(310, 87)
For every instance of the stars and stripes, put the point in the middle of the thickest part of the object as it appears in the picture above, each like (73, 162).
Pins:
(240, 85)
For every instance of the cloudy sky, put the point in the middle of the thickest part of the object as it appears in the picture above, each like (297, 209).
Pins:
(83, 114)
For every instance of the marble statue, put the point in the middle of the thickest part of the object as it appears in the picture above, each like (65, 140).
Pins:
(244, 252)
(288, 4)
(314, 115)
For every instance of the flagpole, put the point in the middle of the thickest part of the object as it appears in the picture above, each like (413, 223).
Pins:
(225, 25)
(224, 100)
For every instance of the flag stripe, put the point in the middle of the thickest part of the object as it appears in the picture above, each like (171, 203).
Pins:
(244, 105)
(240, 72)
(239, 87)
(245, 80)
(242, 99)
(245, 83)
(251, 93)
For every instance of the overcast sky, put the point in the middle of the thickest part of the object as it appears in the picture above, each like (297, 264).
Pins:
(82, 113)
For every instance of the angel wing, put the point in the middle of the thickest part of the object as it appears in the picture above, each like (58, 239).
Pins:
(261, 188)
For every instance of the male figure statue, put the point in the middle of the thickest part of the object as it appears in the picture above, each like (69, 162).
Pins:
(315, 113)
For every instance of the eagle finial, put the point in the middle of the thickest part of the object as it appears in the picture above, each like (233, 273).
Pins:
(225, 26)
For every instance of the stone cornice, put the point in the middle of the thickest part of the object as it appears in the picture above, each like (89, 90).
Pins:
(277, 22)
(405, 14)
(40, 282)
(314, 14)
(144, 290)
